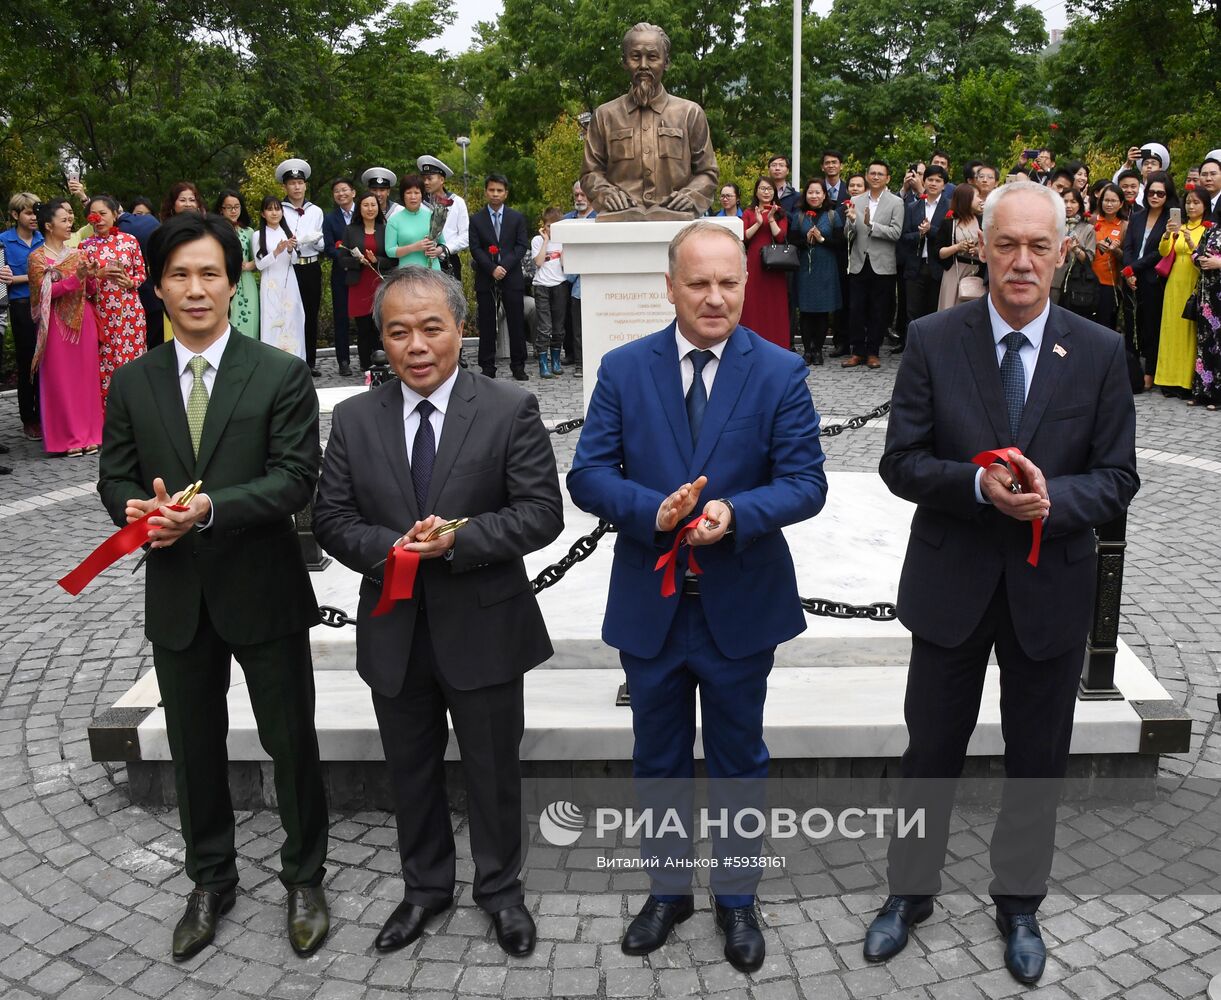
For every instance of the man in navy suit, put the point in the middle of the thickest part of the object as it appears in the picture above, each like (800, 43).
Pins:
(498, 275)
(1009, 371)
(334, 224)
(918, 261)
(703, 406)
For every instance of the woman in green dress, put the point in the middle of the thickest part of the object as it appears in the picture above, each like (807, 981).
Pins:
(407, 232)
(244, 308)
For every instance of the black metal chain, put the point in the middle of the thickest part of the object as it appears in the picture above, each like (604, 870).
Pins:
(580, 550)
(568, 426)
(878, 611)
(830, 430)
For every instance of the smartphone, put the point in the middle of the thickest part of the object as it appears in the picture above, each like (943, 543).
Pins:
(1147, 153)
(1030, 154)
(1176, 216)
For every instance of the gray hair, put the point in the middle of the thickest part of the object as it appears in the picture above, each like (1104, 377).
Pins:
(417, 280)
(1027, 187)
(698, 229)
(644, 28)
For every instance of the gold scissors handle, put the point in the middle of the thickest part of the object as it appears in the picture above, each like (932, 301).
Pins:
(187, 496)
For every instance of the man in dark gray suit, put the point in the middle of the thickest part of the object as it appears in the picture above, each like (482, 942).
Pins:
(440, 442)
(1010, 371)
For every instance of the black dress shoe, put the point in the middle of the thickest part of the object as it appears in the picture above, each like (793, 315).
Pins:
(488, 372)
(308, 919)
(744, 948)
(406, 924)
(520, 375)
(816, 359)
(197, 926)
(837, 352)
(514, 930)
(887, 935)
(652, 925)
(897, 349)
(345, 369)
(1025, 953)
(315, 372)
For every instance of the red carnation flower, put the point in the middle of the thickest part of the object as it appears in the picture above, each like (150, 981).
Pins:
(1189, 186)
(949, 214)
(93, 218)
(339, 244)
(924, 197)
(811, 213)
(1127, 272)
(493, 249)
(1055, 126)
(1207, 224)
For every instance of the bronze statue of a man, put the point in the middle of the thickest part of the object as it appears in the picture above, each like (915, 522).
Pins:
(648, 155)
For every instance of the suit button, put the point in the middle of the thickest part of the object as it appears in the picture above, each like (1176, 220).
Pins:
(646, 128)
(648, 152)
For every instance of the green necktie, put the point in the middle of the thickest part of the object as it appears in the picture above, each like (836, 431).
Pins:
(197, 402)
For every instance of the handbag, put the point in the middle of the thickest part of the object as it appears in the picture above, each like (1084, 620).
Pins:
(1164, 265)
(779, 257)
(970, 287)
(1191, 308)
(1079, 293)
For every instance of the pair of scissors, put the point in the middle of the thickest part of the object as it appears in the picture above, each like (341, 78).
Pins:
(185, 499)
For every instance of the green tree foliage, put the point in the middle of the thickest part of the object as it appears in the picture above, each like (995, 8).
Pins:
(888, 59)
(1127, 73)
(557, 158)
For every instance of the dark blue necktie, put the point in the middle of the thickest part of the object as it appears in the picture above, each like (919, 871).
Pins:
(1013, 379)
(423, 456)
(697, 395)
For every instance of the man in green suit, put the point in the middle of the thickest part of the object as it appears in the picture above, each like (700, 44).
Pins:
(226, 578)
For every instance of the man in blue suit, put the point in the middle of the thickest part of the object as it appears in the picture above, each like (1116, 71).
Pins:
(704, 405)
(334, 225)
(1009, 371)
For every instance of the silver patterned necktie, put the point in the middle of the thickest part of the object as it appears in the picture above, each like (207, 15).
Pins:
(197, 401)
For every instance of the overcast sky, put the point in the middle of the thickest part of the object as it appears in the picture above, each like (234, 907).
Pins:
(458, 37)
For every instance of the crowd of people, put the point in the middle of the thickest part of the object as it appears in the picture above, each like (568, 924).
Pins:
(1142, 259)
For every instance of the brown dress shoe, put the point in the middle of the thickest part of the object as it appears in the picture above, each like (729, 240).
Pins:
(874, 361)
(852, 361)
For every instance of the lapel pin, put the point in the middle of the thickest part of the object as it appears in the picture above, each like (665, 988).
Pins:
(1059, 350)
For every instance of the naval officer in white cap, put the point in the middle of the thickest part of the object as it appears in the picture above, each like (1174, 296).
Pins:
(379, 180)
(456, 233)
(305, 221)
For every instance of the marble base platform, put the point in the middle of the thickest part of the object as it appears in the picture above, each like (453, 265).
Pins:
(836, 693)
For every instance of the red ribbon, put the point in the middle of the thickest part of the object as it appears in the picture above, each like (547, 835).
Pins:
(986, 458)
(398, 580)
(669, 561)
(123, 542)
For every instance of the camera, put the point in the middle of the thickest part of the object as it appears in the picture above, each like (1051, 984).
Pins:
(1146, 154)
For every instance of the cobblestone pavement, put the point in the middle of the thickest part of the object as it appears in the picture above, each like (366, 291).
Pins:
(90, 885)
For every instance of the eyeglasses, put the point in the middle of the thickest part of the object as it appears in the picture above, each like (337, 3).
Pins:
(1155, 194)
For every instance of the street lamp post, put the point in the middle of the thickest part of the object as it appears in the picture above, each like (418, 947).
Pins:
(464, 142)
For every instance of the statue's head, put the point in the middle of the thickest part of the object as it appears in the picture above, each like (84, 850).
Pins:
(646, 57)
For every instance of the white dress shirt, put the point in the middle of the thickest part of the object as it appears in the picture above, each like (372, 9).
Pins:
(186, 382)
(930, 209)
(686, 367)
(456, 235)
(1028, 354)
(306, 226)
(440, 401)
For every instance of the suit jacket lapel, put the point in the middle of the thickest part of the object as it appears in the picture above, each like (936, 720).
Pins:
(726, 388)
(236, 366)
(981, 353)
(1047, 372)
(167, 392)
(459, 416)
(670, 391)
(394, 441)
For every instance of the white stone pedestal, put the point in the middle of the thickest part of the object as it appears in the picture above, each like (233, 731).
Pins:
(623, 281)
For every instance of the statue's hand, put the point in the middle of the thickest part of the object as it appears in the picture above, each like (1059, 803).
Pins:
(680, 201)
(617, 200)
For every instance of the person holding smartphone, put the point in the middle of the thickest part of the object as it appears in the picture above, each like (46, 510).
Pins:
(1109, 229)
(1176, 360)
